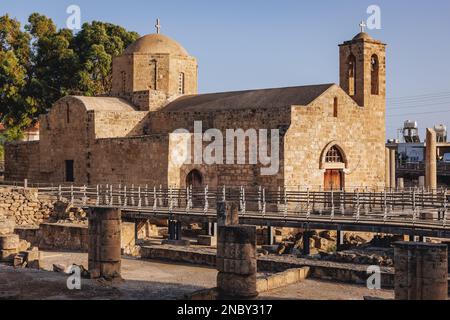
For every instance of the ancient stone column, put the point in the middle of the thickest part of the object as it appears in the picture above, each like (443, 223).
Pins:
(9, 242)
(420, 271)
(431, 160)
(236, 262)
(387, 166)
(227, 214)
(392, 165)
(105, 243)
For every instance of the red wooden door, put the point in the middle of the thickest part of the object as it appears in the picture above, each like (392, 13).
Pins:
(333, 180)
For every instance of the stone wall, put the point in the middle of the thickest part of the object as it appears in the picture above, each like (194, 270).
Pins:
(110, 124)
(22, 161)
(362, 143)
(24, 207)
(140, 160)
(71, 237)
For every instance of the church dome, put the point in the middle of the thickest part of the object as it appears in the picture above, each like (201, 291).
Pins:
(362, 36)
(156, 44)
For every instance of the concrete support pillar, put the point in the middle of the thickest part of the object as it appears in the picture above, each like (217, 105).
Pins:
(431, 160)
(420, 271)
(236, 262)
(207, 226)
(178, 230)
(270, 236)
(401, 183)
(171, 227)
(387, 167)
(340, 240)
(392, 167)
(104, 243)
(306, 243)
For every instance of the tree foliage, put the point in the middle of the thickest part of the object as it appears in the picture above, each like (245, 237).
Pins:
(40, 64)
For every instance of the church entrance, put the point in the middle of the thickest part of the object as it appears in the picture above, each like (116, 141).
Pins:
(333, 180)
(195, 180)
(334, 163)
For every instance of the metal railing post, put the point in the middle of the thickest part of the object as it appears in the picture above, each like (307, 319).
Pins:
(97, 199)
(139, 197)
(146, 196)
(155, 200)
(308, 205)
(332, 205)
(263, 210)
(111, 195)
(206, 206)
(59, 193)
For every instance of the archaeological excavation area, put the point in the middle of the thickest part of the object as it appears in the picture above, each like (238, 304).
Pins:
(63, 244)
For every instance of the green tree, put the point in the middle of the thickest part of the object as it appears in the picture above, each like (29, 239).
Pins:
(96, 45)
(53, 62)
(15, 103)
(41, 64)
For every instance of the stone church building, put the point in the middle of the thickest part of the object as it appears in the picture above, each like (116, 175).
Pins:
(331, 136)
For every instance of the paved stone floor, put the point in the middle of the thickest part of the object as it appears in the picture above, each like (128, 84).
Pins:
(151, 280)
(323, 290)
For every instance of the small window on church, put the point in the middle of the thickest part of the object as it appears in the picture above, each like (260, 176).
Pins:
(351, 75)
(154, 65)
(335, 107)
(70, 177)
(374, 63)
(334, 156)
(181, 83)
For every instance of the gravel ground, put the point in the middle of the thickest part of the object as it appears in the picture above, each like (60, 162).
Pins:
(151, 280)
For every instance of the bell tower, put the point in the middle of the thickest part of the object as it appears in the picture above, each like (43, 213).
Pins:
(362, 68)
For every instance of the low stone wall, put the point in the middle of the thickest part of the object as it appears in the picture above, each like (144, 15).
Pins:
(68, 237)
(282, 279)
(323, 270)
(24, 207)
(54, 236)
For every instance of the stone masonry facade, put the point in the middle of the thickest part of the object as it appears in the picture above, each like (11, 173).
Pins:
(128, 137)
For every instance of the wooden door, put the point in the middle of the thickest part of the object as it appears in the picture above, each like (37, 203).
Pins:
(333, 180)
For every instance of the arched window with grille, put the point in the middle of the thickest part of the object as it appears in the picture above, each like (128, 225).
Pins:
(334, 155)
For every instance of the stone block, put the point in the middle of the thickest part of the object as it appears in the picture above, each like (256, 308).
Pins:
(262, 285)
(8, 242)
(242, 267)
(237, 234)
(236, 250)
(236, 286)
(178, 243)
(277, 281)
(128, 238)
(209, 241)
(7, 255)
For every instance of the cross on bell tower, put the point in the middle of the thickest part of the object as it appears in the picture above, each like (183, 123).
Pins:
(158, 26)
(362, 25)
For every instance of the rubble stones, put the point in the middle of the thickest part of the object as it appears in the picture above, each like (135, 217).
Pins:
(23, 207)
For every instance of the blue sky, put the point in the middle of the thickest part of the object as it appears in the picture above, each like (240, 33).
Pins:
(259, 44)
